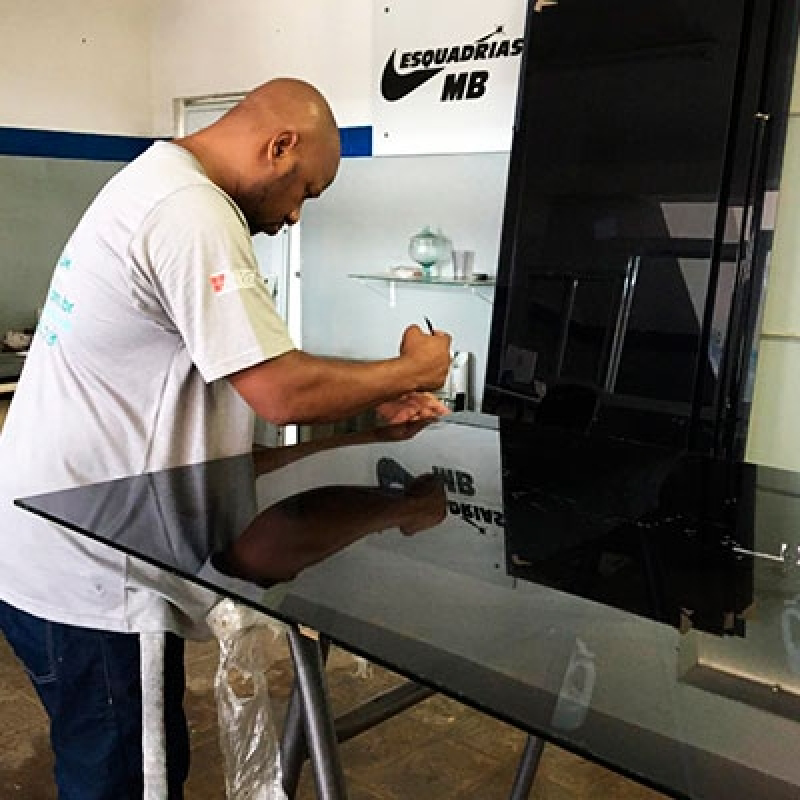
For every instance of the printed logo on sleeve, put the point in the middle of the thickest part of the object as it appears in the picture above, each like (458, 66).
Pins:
(232, 280)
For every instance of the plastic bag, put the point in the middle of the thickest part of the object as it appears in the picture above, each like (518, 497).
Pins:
(247, 735)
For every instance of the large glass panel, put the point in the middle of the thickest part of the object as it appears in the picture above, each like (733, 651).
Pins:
(629, 254)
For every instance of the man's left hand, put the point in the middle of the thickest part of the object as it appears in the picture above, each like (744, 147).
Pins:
(411, 407)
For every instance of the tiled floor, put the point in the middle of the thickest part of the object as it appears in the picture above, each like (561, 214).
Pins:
(436, 751)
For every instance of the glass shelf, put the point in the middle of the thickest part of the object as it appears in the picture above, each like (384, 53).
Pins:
(392, 281)
(387, 277)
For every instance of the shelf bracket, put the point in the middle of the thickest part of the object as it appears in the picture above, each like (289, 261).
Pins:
(486, 297)
(390, 295)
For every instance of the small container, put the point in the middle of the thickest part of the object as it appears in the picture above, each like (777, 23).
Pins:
(463, 263)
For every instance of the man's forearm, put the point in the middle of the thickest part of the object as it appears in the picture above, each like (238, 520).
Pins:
(301, 388)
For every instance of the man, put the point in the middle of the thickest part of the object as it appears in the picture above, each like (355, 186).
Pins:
(157, 342)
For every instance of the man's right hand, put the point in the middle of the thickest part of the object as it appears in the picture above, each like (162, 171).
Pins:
(430, 354)
(425, 504)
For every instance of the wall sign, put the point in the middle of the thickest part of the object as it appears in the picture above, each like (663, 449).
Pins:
(445, 75)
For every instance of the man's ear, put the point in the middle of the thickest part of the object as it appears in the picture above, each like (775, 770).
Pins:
(281, 145)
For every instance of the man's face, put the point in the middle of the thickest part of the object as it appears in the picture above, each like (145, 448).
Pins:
(271, 202)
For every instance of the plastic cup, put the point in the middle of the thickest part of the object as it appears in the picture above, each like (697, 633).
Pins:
(463, 262)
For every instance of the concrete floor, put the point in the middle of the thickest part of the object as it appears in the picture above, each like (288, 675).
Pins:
(436, 751)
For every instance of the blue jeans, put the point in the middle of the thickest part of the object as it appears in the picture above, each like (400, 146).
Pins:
(89, 683)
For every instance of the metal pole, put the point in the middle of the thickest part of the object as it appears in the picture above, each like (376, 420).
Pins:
(380, 708)
(567, 307)
(293, 741)
(293, 745)
(316, 711)
(621, 326)
(526, 771)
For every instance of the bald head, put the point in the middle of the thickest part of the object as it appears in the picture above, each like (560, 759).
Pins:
(273, 150)
(285, 100)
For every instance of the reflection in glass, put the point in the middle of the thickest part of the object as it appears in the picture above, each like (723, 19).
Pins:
(310, 526)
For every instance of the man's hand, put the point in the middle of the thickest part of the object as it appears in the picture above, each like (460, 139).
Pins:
(411, 407)
(425, 504)
(296, 387)
(431, 355)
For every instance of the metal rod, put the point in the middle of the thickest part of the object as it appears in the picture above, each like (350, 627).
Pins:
(526, 771)
(293, 741)
(319, 729)
(621, 327)
(293, 745)
(567, 307)
(380, 708)
(354, 722)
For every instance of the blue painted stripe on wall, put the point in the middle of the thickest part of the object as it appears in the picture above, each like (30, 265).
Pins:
(65, 144)
(356, 143)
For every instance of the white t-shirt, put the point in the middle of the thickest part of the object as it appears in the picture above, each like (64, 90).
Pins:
(155, 299)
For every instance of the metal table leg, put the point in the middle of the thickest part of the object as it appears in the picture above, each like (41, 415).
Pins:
(309, 728)
(362, 718)
(526, 771)
(293, 741)
(314, 703)
(379, 709)
(293, 745)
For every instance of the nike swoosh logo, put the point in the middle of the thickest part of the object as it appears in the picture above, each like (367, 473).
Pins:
(395, 86)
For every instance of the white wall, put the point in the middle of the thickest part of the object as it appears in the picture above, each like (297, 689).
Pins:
(76, 65)
(775, 422)
(362, 224)
(203, 47)
(115, 66)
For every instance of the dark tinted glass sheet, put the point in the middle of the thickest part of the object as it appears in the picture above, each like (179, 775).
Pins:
(621, 267)
(634, 605)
